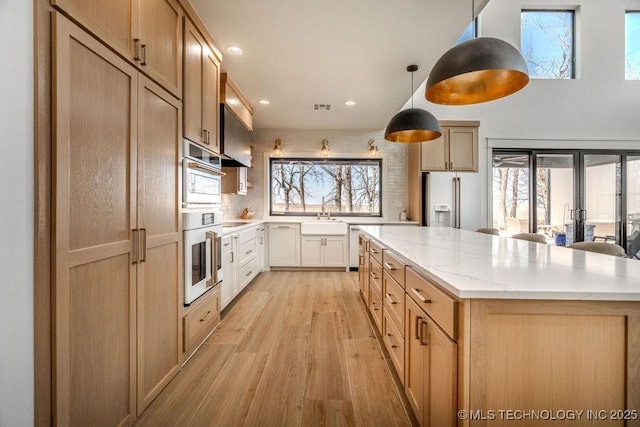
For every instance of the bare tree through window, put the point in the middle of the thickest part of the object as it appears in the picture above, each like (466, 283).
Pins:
(547, 43)
(344, 186)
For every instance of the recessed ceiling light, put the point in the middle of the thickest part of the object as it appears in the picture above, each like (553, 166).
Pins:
(264, 102)
(234, 50)
(350, 103)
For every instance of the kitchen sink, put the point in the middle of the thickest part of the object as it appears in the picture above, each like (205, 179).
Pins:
(334, 228)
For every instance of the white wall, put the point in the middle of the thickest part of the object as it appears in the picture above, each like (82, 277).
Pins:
(599, 109)
(16, 214)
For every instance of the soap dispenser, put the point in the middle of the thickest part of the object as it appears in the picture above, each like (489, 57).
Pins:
(403, 215)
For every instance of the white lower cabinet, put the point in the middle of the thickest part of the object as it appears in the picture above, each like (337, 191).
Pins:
(229, 270)
(284, 245)
(323, 251)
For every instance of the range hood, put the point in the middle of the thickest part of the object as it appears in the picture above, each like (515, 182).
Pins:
(235, 140)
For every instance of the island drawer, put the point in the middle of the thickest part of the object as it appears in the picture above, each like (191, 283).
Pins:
(394, 342)
(394, 267)
(375, 249)
(375, 278)
(436, 303)
(393, 300)
(375, 307)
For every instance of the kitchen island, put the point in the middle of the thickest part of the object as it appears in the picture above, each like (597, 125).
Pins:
(497, 331)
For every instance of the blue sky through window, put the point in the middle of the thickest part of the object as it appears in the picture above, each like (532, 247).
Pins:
(547, 43)
(632, 46)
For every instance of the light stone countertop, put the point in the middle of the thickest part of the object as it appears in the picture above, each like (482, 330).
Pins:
(477, 265)
(248, 223)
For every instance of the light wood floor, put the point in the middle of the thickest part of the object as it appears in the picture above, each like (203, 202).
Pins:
(295, 349)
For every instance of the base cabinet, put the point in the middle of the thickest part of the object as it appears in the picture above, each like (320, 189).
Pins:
(229, 270)
(284, 245)
(200, 320)
(430, 369)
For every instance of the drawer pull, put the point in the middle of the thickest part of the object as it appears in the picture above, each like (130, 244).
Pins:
(205, 316)
(374, 251)
(391, 266)
(248, 274)
(248, 252)
(374, 276)
(392, 345)
(421, 297)
(283, 226)
(390, 299)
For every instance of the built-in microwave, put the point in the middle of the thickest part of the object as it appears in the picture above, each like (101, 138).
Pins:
(201, 180)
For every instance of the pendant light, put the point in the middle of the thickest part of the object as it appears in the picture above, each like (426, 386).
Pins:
(477, 70)
(413, 124)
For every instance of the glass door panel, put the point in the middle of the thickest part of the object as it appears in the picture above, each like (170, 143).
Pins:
(511, 193)
(599, 217)
(633, 207)
(555, 196)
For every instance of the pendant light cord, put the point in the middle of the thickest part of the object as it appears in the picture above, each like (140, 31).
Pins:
(412, 89)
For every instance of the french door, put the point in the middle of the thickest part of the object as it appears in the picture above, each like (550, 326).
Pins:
(588, 195)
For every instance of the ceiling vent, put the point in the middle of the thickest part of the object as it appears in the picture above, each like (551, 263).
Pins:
(325, 107)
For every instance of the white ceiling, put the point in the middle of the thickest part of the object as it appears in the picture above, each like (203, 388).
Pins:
(297, 53)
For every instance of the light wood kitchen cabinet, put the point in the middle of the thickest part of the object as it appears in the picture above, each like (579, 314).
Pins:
(235, 180)
(201, 95)
(148, 33)
(455, 150)
(284, 245)
(117, 233)
(235, 101)
(430, 369)
(201, 319)
(323, 251)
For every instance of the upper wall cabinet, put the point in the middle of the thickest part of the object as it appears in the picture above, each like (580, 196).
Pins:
(146, 32)
(235, 101)
(456, 150)
(201, 101)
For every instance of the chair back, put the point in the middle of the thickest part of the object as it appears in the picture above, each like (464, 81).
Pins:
(599, 247)
(532, 237)
(493, 231)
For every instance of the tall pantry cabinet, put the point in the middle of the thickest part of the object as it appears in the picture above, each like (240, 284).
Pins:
(117, 233)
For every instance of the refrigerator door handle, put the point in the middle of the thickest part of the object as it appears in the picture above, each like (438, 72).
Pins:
(456, 202)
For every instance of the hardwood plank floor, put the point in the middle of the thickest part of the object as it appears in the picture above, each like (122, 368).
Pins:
(295, 349)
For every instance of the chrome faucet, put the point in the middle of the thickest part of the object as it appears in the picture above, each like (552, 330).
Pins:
(323, 213)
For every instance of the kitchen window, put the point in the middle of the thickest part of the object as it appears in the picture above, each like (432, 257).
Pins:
(632, 45)
(342, 187)
(547, 43)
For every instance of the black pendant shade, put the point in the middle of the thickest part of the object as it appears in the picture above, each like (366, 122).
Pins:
(478, 70)
(412, 125)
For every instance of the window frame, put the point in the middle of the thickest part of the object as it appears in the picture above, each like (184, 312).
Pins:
(316, 159)
(574, 25)
(628, 12)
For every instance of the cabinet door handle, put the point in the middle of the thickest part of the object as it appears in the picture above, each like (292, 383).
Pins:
(136, 49)
(392, 345)
(421, 325)
(232, 257)
(144, 244)
(136, 247)
(143, 48)
(389, 298)
(446, 166)
(450, 166)
(203, 318)
(421, 297)
(417, 327)
(390, 266)
(204, 136)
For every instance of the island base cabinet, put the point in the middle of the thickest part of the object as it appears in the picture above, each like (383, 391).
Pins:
(430, 369)
(556, 355)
